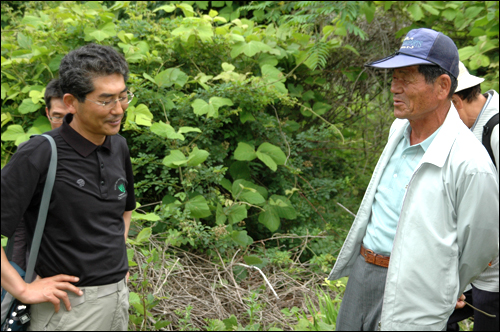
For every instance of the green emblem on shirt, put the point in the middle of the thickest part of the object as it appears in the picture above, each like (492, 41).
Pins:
(121, 187)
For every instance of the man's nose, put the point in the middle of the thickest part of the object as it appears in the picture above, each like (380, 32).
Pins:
(396, 87)
(118, 109)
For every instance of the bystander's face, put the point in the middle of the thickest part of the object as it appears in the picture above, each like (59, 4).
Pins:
(413, 98)
(94, 121)
(56, 113)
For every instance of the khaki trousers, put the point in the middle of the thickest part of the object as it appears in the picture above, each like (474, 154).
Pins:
(100, 308)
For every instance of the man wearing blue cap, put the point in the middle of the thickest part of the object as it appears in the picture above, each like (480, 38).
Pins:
(428, 224)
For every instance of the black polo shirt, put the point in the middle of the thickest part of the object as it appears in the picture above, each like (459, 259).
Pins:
(84, 232)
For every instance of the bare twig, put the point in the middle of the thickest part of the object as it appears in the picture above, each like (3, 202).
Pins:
(346, 209)
(263, 275)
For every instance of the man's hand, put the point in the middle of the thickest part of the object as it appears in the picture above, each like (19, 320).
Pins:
(460, 302)
(50, 290)
(41, 289)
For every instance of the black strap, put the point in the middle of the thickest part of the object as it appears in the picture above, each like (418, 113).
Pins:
(487, 130)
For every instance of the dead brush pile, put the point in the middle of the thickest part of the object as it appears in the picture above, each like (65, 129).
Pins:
(209, 285)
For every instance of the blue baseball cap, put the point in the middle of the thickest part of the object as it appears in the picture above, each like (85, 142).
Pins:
(423, 47)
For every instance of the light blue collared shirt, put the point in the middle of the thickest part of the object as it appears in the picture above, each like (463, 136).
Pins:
(390, 193)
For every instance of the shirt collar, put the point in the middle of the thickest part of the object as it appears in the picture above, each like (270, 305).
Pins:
(425, 144)
(81, 145)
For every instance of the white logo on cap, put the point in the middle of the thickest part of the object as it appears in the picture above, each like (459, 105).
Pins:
(81, 182)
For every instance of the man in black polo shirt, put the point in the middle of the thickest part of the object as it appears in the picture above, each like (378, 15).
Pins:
(82, 259)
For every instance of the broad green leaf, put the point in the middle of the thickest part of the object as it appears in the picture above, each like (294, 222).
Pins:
(241, 238)
(25, 137)
(267, 59)
(246, 116)
(42, 124)
(236, 213)
(270, 218)
(141, 114)
(201, 107)
(220, 217)
(237, 188)
(283, 206)
(171, 76)
(212, 13)
(226, 184)
(321, 108)
(430, 9)
(227, 67)
(197, 156)
(147, 216)
(252, 48)
(271, 73)
(466, 52)
(267, 160)
(36, 96)
(476, 32)
(144, 235)
(6, 117)
(186, 9)
(472, 12)
(272, 151)
(24, 41)
(165, 130)
(416, 12)
(27, 106)
(252, 260)
(149, 77)
(244, 151)
(183, 130)
(198, 207)
(369, 11)
(218, 102)
(173, 159)
(167, 8)
(449, 14)
(252, 197)
(12, 133)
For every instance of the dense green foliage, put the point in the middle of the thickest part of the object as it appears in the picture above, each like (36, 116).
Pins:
(251, 118)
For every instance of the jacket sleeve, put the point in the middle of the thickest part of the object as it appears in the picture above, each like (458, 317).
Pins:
(477, 224)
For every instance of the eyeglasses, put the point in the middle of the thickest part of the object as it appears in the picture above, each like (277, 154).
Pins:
(109, 105)
(56, 119)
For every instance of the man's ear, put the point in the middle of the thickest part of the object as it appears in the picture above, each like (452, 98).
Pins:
(47, 112)
(70, 102)
(458, 102)
(443, 83)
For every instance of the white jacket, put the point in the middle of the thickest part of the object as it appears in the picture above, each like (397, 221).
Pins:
(488, 280)
(447, 231)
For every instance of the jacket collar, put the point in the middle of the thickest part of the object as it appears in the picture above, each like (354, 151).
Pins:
(440, 148)
(438, 151)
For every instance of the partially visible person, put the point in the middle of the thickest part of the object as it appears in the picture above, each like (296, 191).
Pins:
(475, 110)
(54, 106)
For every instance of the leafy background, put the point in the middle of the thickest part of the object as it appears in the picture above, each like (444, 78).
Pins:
(254, 120)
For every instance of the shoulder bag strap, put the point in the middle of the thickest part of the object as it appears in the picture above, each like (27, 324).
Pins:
(44, 209)
(487, 130)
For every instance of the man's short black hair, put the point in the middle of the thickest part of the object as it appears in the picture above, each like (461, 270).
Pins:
(79, 67)
(470, 94)
(432, 72)
(53, 90)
